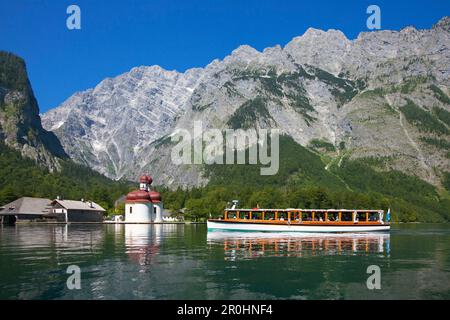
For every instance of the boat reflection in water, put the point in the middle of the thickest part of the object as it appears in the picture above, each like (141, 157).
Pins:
(245, 245)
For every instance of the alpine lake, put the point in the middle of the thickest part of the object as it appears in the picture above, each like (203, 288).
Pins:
(185, 261)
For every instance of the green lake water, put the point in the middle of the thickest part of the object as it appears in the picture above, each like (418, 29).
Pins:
(188, 262)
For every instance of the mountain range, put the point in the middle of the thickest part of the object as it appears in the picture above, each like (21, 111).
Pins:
(383, 96)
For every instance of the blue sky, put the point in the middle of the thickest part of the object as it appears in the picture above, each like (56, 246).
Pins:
(116, 36)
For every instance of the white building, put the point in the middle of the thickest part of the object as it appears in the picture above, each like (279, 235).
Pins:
(144, 205)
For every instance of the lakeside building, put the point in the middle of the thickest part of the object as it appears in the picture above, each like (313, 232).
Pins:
(28, 209)
(76, 211)
(144, 205)
(25, 209)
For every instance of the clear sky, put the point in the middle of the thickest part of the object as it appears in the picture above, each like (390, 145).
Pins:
(116, 36)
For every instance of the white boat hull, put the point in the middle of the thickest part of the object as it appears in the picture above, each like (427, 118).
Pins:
(294, 227)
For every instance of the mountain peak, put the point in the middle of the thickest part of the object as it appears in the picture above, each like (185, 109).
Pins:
(13, 75)
(313, 33)
(443, 24)
(20, 123)
(408, 29)
(244, 53)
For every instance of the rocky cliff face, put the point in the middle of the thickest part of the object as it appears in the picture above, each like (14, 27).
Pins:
(20, 123)
(383, 96)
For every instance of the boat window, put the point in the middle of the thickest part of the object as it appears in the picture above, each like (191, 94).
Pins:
(231, 214)
(319, 216)
(244, 215)
(347, 216)
(269, 215)
(306, 216)
(256, 215)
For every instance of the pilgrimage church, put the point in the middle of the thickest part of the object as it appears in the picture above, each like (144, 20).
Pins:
(144, 205)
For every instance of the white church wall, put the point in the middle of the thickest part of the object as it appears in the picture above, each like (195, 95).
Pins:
(140, 212)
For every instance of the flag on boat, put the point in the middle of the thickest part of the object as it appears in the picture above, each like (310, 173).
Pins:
(388, 215)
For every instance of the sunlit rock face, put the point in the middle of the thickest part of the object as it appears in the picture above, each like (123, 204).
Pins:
(363, 94)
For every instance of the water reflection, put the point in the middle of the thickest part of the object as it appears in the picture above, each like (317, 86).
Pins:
(143, 241)
(78, 237)
(61, 237)
(245, 245)
(187, 262)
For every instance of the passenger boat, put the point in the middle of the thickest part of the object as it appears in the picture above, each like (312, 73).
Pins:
(301, 220)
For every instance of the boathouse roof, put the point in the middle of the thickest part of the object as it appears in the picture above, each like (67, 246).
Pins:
(78, 205)
(27, 205)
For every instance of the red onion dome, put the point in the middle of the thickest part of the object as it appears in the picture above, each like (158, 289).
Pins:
(146, 179)
(143, 179)
(138, 195)
(155, 196)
